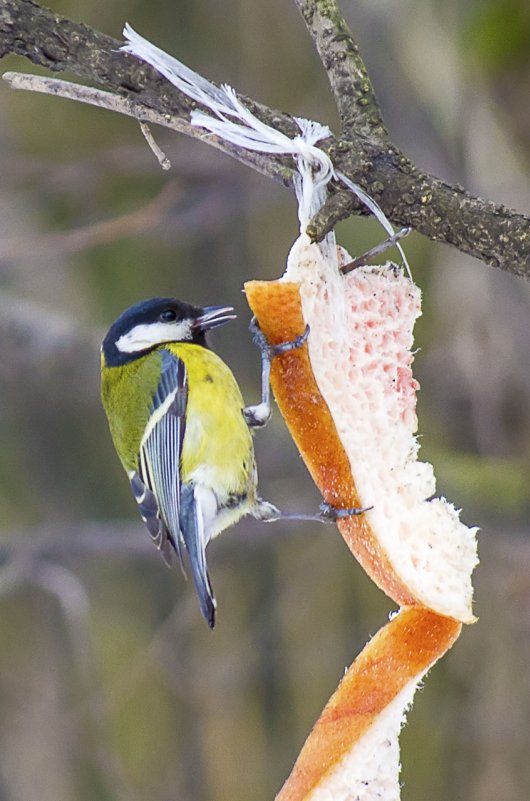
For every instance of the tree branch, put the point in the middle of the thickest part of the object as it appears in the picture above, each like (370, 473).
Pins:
(409, 197)
(59, 44)
(353, 91)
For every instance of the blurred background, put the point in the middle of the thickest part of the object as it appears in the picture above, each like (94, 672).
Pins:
(111, 686)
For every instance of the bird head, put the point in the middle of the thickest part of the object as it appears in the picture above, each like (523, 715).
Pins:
(151, 323)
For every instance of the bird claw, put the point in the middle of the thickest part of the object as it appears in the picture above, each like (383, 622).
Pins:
(330, 514)
(257, 416)
(275, 350)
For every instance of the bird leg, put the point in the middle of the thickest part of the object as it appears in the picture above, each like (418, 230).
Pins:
(327, 513)
(259, 415)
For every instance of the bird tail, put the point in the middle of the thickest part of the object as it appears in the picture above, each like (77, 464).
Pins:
(192, 529)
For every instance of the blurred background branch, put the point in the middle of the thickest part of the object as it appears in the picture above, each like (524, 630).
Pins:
(149, 216)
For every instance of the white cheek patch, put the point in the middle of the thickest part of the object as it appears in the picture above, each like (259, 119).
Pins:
(146, 336)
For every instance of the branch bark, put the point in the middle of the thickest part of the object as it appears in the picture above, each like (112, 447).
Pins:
(353, 91)
(409, 197)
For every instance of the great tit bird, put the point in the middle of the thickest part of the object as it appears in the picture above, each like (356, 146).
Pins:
(181, 430)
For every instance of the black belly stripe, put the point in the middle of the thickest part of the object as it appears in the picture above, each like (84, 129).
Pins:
(235, 499)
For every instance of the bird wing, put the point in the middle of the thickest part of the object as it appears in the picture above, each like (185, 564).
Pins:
(156, 485)
(171, 510)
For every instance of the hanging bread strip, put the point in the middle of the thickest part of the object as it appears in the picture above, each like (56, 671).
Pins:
(353, 751)
(278, 309)
(349, 399)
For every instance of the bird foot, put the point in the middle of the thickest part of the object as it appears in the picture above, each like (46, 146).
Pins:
(330, 514)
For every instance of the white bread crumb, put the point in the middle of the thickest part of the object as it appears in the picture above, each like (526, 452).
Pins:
(360, 349)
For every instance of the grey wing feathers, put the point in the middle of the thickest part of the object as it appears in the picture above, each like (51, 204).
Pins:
(156, 486)
(169, 509)
(173, 382)
(148, 508)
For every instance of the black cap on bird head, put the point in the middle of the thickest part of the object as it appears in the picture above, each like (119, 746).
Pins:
(151, 323)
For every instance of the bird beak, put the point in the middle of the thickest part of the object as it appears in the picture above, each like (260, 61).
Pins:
(212, 316)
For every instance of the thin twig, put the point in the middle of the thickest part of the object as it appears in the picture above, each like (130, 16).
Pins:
(266, 165)
(375, 251)
(159, 154)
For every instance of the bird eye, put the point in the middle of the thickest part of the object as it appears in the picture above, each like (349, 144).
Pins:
(168, 316)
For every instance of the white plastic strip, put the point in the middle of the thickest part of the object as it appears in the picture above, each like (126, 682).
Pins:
(235, 123)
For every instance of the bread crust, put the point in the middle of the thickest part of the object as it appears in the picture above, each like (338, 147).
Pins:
(278, 310)
(399, 653)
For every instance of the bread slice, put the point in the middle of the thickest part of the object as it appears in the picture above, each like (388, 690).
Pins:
(352, 753)
(349, 400)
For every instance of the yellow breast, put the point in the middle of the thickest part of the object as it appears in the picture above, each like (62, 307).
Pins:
(217, 448)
